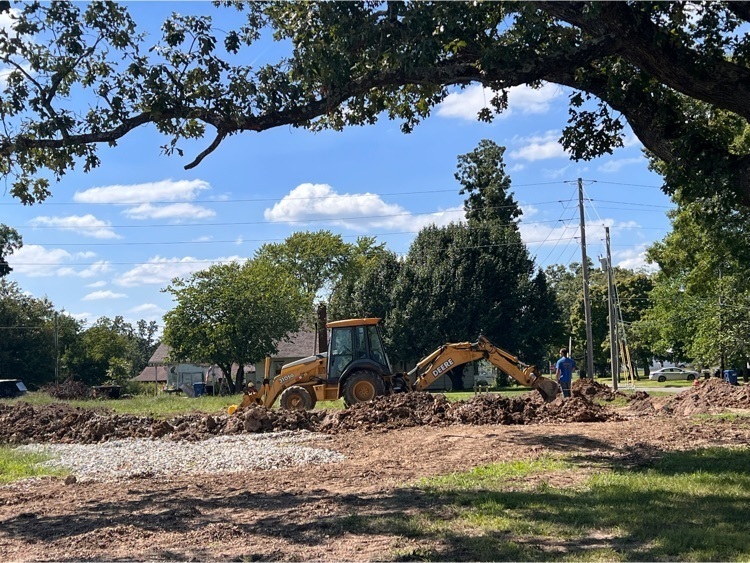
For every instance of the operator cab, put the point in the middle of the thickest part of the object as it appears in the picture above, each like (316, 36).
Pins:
(356, 343)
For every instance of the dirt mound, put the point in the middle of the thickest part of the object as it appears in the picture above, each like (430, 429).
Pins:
(528, 409)
(641, 402)
(23, 423)
(707, 396)
(421, 408)
(68, 390)
(593, 390)
(390, 411)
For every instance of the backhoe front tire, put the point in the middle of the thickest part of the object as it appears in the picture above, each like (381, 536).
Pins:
(362, 387)
(295, 398)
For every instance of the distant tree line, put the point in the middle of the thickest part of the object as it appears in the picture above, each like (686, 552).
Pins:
(109, 350)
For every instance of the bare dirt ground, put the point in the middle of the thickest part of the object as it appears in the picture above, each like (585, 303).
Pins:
(317, 512)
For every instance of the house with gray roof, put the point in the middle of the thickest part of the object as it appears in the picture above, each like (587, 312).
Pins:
(174, 375)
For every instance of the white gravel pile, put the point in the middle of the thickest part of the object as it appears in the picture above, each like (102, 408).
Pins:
(118, 459)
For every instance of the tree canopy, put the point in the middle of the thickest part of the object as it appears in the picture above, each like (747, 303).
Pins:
(233, 313)
(665, 68)
(10, 241)
(316, 259)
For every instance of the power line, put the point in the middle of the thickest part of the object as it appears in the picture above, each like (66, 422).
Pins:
(269, 199)
(215, 261)
(288, 221)
(264, 240)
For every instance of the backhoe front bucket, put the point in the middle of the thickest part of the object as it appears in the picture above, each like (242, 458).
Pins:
(547, 388)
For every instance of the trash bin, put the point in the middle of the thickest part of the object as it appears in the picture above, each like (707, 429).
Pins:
(199, 389)
(730, 376)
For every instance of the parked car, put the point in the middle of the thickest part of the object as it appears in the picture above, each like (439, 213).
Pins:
(665, 374)
(10, 388)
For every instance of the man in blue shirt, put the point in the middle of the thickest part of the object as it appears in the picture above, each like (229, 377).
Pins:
(565, 367)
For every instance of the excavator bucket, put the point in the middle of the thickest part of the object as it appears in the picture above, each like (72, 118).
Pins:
(547, 388)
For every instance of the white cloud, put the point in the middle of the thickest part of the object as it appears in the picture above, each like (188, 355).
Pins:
(179, 211)
(141, 199)
(161, 271)
(149, 192)
(631, 140)
(467, 103)
(96, 284)
(98, 295)
(96, 269)
(84, 317)
(634, 260)
(147, 309)
(555, 173)
(36, 261)
(616, 165)
(539, 147)
(547, 234)
(555, 232)
(359, 212)
(86, 225)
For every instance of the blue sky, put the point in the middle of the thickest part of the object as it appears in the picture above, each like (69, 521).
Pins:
(107, 242)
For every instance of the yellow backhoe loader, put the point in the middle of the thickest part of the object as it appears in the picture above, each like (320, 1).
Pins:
(357, 368)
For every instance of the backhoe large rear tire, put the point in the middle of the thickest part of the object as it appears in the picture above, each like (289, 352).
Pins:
(363, 386)
(295, 398)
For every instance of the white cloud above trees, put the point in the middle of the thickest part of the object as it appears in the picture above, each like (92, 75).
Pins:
(161, 270)
(34, 260)
(164, 200)
(86, 225)
(538, 147)
(365, 212)
(466, 104)
(99, 295)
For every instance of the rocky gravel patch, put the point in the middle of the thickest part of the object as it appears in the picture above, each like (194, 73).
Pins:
(146, 458)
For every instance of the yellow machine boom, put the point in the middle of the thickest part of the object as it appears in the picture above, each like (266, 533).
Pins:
(449, 356)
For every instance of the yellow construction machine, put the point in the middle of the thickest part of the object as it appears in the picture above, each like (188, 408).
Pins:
(357, 368)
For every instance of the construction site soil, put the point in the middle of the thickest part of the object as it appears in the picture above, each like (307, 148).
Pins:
(301, 514)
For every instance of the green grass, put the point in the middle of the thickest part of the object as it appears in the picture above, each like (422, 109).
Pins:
(729, 416)
(645, 382)
(159, 406)
(16, 465)
(688, 506)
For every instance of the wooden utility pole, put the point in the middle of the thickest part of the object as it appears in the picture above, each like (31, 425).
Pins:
(586, 300)
(614, 339)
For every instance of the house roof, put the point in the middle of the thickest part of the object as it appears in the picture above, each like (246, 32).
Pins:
(148, 374)
(300, 345)
(160, 355)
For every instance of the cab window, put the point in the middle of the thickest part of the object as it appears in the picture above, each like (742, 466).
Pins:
(340, 352)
